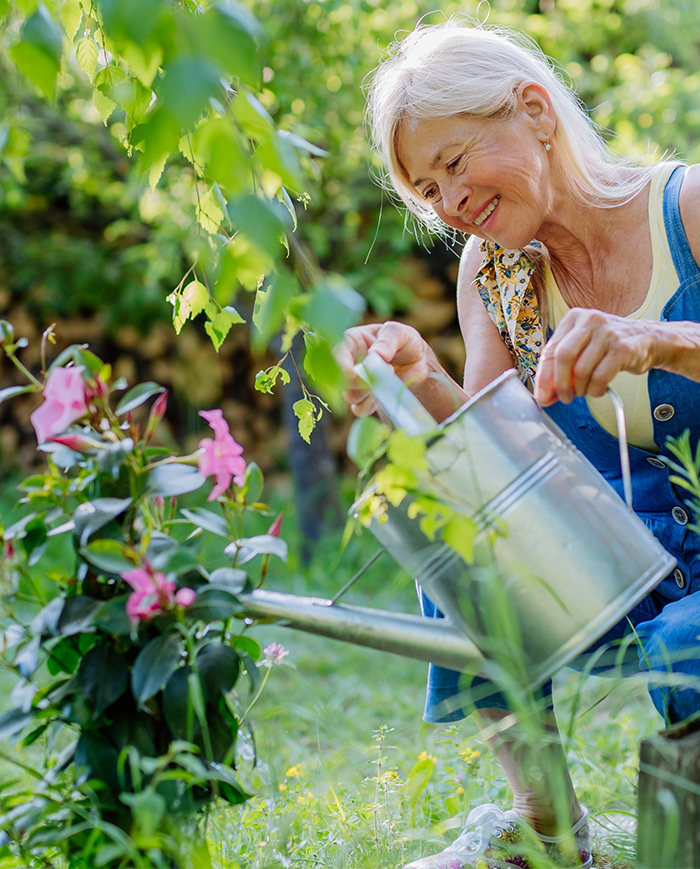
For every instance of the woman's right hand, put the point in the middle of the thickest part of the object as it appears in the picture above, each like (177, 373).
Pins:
(406, 351)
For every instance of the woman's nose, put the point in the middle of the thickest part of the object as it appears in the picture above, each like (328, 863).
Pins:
(455, 197)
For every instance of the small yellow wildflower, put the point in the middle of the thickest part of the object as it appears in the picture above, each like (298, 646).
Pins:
(460, 790)
(294, 772)
(283, 787)
(469, 755)
(425, 756)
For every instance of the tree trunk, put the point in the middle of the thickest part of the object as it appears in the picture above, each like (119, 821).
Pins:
(668, 835)
(312, 465)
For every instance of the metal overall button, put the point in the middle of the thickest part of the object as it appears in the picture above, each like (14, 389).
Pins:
(679, 577)
(664, 412)
(657, 463)
(680, 515)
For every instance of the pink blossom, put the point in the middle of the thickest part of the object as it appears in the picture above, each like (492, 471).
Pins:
(275, 653)
(64, 402)
(77, 441)
(185, 596)
(221, 457)
(152, 593)
(274, 529)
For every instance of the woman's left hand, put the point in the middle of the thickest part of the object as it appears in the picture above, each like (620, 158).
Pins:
(589, 348)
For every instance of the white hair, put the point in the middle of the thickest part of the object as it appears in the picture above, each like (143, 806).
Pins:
(462, 68)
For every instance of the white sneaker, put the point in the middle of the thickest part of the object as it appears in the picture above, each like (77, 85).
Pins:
(493, 839)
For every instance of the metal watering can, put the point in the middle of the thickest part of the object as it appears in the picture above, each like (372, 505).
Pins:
(558, 558)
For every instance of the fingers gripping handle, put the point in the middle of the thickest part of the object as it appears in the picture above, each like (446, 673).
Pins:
(394, 397)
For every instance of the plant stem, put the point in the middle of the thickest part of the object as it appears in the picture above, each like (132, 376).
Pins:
(258, 692)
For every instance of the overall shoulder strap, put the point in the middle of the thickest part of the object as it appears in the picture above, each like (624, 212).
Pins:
(677, 239)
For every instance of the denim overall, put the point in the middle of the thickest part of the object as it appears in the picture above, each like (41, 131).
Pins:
(667, 621)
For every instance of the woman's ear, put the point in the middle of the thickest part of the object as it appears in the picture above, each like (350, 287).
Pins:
(536, 105)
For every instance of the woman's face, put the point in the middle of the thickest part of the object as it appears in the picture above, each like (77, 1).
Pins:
(488, 178)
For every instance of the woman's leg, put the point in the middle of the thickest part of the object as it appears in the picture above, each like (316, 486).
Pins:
(532, 757)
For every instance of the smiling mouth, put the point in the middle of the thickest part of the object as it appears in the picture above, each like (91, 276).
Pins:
(487, 211)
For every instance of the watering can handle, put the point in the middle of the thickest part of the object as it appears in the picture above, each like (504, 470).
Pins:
(623, 445)
(394, 397)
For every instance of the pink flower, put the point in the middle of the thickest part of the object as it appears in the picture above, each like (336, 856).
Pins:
(64, 402)
(222, 457)
(274, 529)
(185, 596)
(152, 593)
(77, 441)
(275, 654)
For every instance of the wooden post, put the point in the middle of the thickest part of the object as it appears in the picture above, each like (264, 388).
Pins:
(668, 826)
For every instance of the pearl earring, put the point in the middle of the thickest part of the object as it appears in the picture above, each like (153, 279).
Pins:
(547, 146)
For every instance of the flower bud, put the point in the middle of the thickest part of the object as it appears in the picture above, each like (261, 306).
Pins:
(274, 529)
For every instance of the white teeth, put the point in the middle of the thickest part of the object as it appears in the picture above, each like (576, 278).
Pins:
(488, 210)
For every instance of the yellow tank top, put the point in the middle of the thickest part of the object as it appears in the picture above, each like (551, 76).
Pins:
(632, 388)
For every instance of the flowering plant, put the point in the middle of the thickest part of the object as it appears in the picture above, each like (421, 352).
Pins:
(127, 654)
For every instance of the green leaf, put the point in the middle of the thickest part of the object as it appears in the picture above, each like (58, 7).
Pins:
(216, 144)
(64, 657)
(103, 676)
(408, 452)
(176, 705)
(218, 328)
(265, 381)
(320, 364)
(105, 82)
(230, 579)
(460, 533)
(173, 479)
(247, 645)
(78, 615)
(334, 307)
(271, 303)
(154, 665)
(11, 391)
(13, 721)
(148, 808)
(39, 52)
(71, 16)
(135, 99)
(187, 86)
(137, 396)
(218, 666)
(212, 604)
(86, 52)
(418, 779)
(227, 37)
(112, 617)
(207, 520)
(366, 439)
(210, 214)
(157, 137)
(108, 555)
(130, 20)
(252, 115)
(305, 412)
(245, 549)
(263, 221)
(90, 516)
(253, 481)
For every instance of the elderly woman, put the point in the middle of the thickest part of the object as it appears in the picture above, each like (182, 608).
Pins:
(581, 271)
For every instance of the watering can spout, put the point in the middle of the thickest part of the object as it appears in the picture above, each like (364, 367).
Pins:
(434, 640)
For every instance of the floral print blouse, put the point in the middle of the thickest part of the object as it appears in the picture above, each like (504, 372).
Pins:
(503, 282)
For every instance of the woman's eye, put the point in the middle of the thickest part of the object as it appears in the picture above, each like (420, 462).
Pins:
(453, 164)
(430, 194)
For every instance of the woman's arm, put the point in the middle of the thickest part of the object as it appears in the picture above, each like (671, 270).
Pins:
(487, 355)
